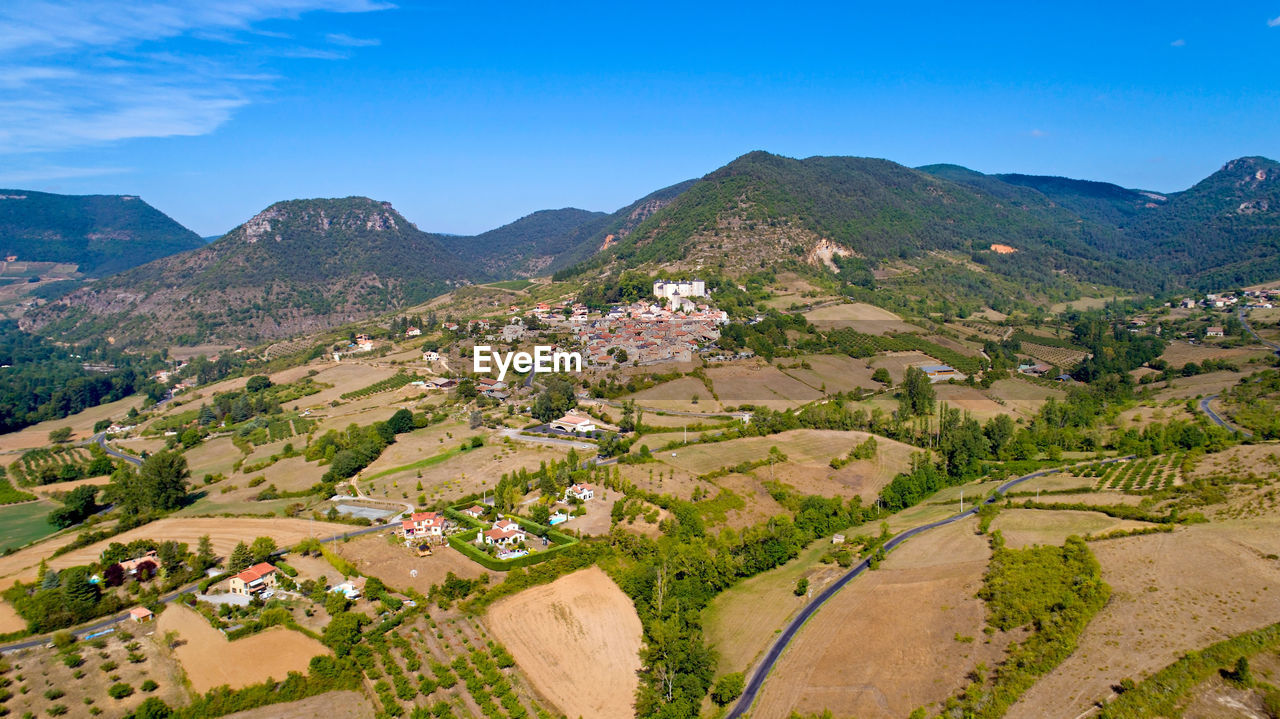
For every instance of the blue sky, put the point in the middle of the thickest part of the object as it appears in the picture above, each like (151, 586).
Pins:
(466, 116)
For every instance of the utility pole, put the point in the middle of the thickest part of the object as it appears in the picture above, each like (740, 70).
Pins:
(962, 501)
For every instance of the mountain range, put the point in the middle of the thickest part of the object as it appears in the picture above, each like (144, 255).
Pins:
(101, 234)
(305, 265)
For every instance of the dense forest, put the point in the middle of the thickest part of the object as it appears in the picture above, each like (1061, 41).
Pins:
(40, 380)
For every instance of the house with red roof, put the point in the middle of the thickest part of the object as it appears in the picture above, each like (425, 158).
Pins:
(254, 579)
(424, 525)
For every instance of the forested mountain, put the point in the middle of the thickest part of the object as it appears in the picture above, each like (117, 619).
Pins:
(550, 240)
(527, 246)
(762, 208)
(298, 266)
(100, 233)
(1225, 230)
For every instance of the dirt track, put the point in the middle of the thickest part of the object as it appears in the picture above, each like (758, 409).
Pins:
(577, 640)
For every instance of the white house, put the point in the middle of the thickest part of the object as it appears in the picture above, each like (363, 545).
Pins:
(424, 525)
(412, 332)
(1214, 332)
(584, 492)
(574, 424)
(505, 532)
(430, 356)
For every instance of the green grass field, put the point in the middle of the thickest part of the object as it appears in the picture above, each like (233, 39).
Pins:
(21, 524)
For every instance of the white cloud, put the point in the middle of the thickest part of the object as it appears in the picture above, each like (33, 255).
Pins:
(82, 72)
(1179, 43)
(345, 40)
(1037, 132)
(1274, 22)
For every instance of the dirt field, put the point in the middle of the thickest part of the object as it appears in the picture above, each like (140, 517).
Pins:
(1179, 353)
(898, 362)
(47, 490)
(395, 564)
(859, 316)
(1185, 387)
(330, 705)
(838, 373)
(224, 533)
(578, 627)
(1023, 527)
(9, 619)
(759, 384)
(1171, 593)
(887, 643)
(461, 474)
(678, 395)
(211, 661)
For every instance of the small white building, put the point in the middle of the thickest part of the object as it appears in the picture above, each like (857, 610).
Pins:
(574, 424)
(582, 491)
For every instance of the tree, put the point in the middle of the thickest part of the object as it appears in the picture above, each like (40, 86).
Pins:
(557, 397)
(343, 632)
(152, 708)
(802, 587)
(205, 557)
(241, 557)
(881, 375)
(78, 505)
(917, 395)
(257, 383)
(190, 438)
(728, 688)
(207, 416)
(113, 575)
(262, 548)
(401, 421)
(60, 435)
(540, 514)
(159, 485)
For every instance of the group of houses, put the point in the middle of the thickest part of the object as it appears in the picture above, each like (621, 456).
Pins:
(649, 333)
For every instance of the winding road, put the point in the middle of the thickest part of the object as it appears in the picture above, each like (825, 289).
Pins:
(766, 665)
(1249, 328)
(100, 439)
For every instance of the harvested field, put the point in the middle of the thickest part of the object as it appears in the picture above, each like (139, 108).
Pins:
(1178, 353)
(678, 395)
(460, 474)
(887, 643)
(395, 564)
(9, 619)
(224, 533)
(1186, 387)
(1171, 593)
(212, 661)
(580, 625)
(759, 384)
(1024, 527)
(859, 316)
(898, 362)
(330, 705)
(838, 373)
(46, 490)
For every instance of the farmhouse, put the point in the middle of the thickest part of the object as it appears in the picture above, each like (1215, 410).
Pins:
(583, 492)
(505, 532)
(424, 525)
(412, 332)
(475, 511)
(130, 566)
(431, 356)
(1214, 332)
(254, 579)
(1039, 369)
(940, 372)
(574, 424)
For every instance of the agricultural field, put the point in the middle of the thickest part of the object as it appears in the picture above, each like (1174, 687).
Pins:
(37, 435)
(209, 660)
(130, 657)
(21, 524)
(1024, 527)
(1179, 353)
(678, 395)
(1171, 593)
(860, 317)
(759, 384)
(837, 373)
(901, 637)
(580, 625)
(1059, 357)
(1151, 473)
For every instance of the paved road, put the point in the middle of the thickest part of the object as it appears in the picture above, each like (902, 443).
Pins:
(793, 627)
(1249, 328)
(105, 622)
(576, 444)
(100, 439)
(1218, 419)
